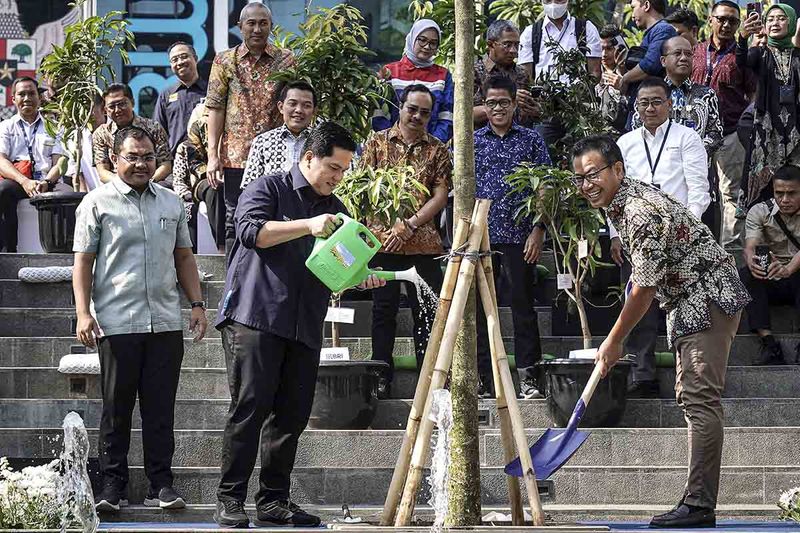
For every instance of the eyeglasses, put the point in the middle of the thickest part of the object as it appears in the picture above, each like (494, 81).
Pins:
(578, 179)
(427, 43)
(644, 104)
(135, 159)
(122, 104)
(677, 54)
(508, 45)
(777, 18)
(505, 103)
(179, 57)
(732, 21)
(414, 110)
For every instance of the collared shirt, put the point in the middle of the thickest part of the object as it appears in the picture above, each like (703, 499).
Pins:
(761, 226)
(652, 41)
(695, 106)
(566, 39)
(238, 85)
(103, 140)
(16, 134)
(485, 67)
(134, 236)
(174, 107)
(431, 161)
(271, 289)
(671, 250)
(272, 152)
(682, 170)
(733, 85)
(495, 158)
(437, 79)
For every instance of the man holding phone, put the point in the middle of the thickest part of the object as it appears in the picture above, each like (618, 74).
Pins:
(772, 256)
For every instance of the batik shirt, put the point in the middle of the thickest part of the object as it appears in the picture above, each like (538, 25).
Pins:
(495, 158)
(238, 85)
(274, 152)
(103, 140)
(671, 251)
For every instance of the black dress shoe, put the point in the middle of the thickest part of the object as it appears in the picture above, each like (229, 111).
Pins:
(685, 516)
(643, 389)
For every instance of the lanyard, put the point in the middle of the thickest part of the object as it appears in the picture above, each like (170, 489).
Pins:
(720, 56)
(654, 166)
(560, 35)
(29, 142)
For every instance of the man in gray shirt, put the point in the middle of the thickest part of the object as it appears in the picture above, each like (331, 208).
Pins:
(131, 242)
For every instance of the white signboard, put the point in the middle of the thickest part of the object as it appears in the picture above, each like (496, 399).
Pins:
(335, 354)
(343, 315)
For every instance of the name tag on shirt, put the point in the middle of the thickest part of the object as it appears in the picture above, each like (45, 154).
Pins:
(173, 97)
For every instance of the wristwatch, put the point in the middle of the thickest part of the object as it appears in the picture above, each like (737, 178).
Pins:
(200, 303)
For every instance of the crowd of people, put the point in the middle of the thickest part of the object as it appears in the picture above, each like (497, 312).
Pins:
(712, 124)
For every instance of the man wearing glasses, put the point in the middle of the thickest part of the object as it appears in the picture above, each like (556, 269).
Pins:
(714, 65)
(676, 259)
(671, 157)
(118, 102)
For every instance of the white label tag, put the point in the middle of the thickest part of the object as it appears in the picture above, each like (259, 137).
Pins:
(583, 248)
(589, 353)
(335, 354)
(343, 315)
(564, 281)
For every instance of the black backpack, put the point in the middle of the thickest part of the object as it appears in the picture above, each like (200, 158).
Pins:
(536, 39)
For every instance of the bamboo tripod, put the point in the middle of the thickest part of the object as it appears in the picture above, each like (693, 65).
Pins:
(472, 235)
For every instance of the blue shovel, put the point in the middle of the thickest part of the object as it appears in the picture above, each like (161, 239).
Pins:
(557, 445)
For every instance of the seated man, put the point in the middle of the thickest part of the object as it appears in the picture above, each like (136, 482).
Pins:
(29, 158)
(118, 100)
(776, 225)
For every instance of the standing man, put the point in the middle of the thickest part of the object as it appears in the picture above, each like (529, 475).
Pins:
(118, 100)
(500, 147)
(685, 23)
(241, 104)
(131, 243)
(502, 47)
(29, 159)
(715, 65)
(670, 156)
(674, 257)
(175, 105)
(271, 318)
(277, 150)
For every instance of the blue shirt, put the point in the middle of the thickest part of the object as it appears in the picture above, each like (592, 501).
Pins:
(495, 158)
(174, 107)
(653, 39)
(270, 289)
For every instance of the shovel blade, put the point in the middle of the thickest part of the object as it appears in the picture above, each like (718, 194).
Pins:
(550, 452)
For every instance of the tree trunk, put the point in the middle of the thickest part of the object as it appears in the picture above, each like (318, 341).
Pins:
(587, 334)
(464, 496)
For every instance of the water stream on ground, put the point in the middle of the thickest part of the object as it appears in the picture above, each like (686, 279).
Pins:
(442, 415)
(74, 489)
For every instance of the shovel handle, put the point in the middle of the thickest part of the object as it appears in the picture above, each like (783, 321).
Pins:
(594, 379)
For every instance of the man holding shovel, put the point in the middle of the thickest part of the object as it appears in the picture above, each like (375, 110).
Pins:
(675, 258)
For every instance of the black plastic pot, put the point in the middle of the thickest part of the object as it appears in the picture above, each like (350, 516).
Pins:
(565, 380)
(347, 394)
(57, 219)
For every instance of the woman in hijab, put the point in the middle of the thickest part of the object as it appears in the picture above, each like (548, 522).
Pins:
(417, 66)
(775, 139)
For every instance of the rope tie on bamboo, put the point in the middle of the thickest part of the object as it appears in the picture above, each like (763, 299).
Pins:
(469, 256)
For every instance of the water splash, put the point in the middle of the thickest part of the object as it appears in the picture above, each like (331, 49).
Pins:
(442, 414)
(74, 489)
(428, 303)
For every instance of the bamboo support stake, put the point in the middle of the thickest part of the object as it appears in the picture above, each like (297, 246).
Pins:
(424, 381)
(444, 359)
(496, 343)
(506, 436)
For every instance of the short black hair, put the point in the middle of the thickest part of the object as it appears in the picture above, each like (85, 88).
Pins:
(131, 132)
(659, 5)
(609, 31)
(726, 3)
(500, 81)
(327, 136)
(684, 16)
(602, 144)
(21, 79)
(182, 43)
(416, 88)
(787, 173)
(654, 81)
(118, 87)
(298, 85)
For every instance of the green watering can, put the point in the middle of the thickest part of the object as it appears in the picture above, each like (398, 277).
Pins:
(341, 261)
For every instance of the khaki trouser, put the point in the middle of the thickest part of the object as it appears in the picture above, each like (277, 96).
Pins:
(701, 362)
(729, 161)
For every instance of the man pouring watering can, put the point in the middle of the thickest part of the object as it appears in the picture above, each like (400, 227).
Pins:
(676, 259)
(271, 318)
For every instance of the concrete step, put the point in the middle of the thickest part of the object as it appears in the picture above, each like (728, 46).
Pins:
(616, 447)
(210, 383)
(393, 414)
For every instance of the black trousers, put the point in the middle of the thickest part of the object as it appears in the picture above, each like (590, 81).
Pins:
(231, 192)
(765, 292)
(272, 381)
(148, 364)
(643, 337)
(386, 304)
(521, 276)
(215, 210)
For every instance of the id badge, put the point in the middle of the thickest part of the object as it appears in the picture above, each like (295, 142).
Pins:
(786, 94)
